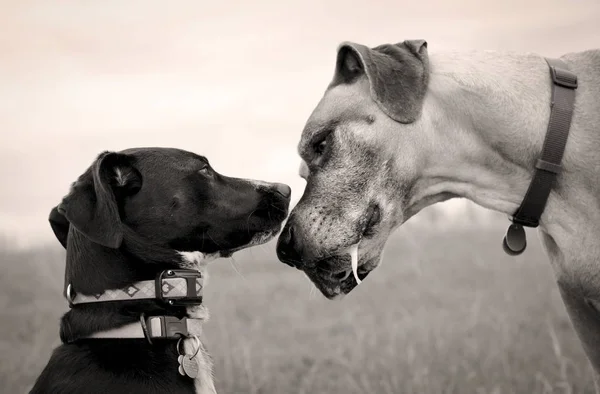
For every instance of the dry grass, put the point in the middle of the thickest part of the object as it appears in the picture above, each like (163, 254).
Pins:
(446, 313)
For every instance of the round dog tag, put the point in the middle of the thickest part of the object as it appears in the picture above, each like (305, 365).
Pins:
(515, 240)
(180, 367)
(190, 366)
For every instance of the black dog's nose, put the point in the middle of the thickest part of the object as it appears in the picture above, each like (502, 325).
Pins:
(288, 247)
(283, 189)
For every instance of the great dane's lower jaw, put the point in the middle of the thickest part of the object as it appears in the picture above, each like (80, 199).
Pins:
(401, 129)
(132, 217)
(330, 270)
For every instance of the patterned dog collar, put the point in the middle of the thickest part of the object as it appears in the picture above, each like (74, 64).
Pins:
(175, 287)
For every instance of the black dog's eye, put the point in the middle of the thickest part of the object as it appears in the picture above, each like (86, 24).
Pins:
(205, 170)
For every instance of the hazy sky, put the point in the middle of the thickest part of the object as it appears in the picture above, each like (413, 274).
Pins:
(232, 80)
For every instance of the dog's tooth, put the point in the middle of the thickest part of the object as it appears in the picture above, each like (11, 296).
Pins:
(347, 274)
(354, 255)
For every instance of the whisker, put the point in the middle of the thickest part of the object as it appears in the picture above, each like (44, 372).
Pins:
(276, 207)
(211, 238)
(235, 268)
(248, 220)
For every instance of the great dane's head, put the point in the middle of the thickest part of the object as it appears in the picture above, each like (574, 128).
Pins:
(359, 151)
(169, 198)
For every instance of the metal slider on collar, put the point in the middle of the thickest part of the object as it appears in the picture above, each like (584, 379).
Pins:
(548, 166)
(69, 295)
(194, 284)
(564, 78)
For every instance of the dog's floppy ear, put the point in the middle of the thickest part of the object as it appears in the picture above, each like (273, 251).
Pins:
(60, 226)
(91, 205)
(398, 75)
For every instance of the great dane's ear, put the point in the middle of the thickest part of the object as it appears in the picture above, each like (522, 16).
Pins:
(60, 226)
(398, 75)
(92, 204)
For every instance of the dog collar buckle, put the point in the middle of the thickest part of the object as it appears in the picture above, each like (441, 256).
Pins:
(194, 284)
(167, 327)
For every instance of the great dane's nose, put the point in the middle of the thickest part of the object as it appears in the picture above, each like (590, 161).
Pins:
(289, 249)
(283, 189)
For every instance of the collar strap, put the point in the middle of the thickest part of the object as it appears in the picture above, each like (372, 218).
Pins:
(175, 287)
(153, 327)
(564, 84)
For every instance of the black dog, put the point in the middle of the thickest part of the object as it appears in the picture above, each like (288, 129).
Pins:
(144, 216)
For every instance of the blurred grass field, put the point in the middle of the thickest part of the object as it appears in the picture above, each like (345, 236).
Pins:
(447, 312)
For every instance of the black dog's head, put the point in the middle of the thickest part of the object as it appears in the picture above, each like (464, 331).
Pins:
(138, 212)
(173, 199)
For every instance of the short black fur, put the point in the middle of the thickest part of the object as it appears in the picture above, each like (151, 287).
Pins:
(125, 220)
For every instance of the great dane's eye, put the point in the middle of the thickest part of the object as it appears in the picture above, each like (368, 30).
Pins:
(321, 141)
(320, 147)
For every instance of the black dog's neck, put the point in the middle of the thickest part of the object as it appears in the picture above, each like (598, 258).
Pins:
(92, 269)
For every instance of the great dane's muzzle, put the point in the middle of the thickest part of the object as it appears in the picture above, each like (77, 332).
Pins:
(292, 250)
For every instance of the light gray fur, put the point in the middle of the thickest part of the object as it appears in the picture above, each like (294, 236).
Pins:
(477, 132)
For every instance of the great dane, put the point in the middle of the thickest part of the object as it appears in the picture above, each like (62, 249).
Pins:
(139, 227)
(399, 129)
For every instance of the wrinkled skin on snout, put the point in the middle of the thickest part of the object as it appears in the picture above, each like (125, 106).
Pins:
(353, 195)
(358, 164)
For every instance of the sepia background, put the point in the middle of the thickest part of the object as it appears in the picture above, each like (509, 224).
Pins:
(447, 312)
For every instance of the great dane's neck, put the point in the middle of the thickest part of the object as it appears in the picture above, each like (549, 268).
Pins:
(488, 114)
